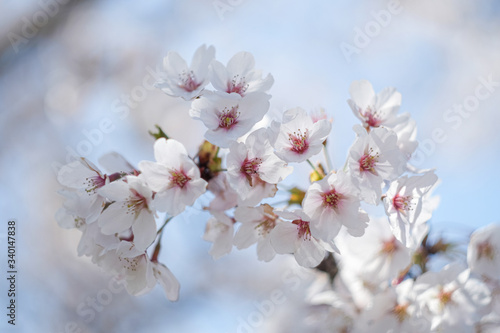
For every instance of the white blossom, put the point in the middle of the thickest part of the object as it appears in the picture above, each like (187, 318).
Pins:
(252, 166)
(239, 76)
(408, 205)
(298, 138)
(181, 80)
(229, 116)
(174, 177)
(331, 203)
(483, 254)
(256, 226)
(373, 159)
(131, 207)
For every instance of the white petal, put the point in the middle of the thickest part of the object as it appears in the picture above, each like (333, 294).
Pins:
(115, 219)
(265, 251)
(115, 191)
(219, 77)
(167, 152)
(144, 229)
(241, 63)
(310, 253)
(284, 238)
(245, 236)
(362, 93)
(156, 175)
(168, 281)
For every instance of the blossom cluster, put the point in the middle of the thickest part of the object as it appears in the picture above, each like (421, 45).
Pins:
(376, 291)
(241, 164)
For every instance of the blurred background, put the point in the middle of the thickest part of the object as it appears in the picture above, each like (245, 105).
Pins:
(75, 79)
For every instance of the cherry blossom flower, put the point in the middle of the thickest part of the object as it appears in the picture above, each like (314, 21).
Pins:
(229, 116)
(83, 176)
(372, 109)
(174, 177)
(131, 207)
(137, 271)
(77, 210)
(74, 214)
(219, 231)
(331, 203)
(256, 226)
(373, 158)
(380, 255)
(239, 76)
(408, 204)
(252, 164)
(298, 138)
(483, 254)
(295, 237)
(452, 298)
(179, 80)
(396, 310)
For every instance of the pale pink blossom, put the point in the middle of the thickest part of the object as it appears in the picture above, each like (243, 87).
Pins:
(408, 204)
(174, 177)
(334, 202)
(256, 226)
(181, 80)
(298, 138)
(452, 297)
(229, 116)
(483, 254)
(373, 159)
(295, 237)
(372, 109)
(252, 164)
(239, 76)
(137, 271)
(131, 207)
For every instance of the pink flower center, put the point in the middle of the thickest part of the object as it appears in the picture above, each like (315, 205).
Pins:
(332, 199)
(372, 119)
(250, 167)
(368, 161)
(188, 81)
(237, 85)
(445, 297)
(135, 203)
(268, 221)
(402, 203)
(298, 140)
(93, 183)
(178, 178)
(389, 246)
(303, 229)
(484, 249)
(228, 117)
